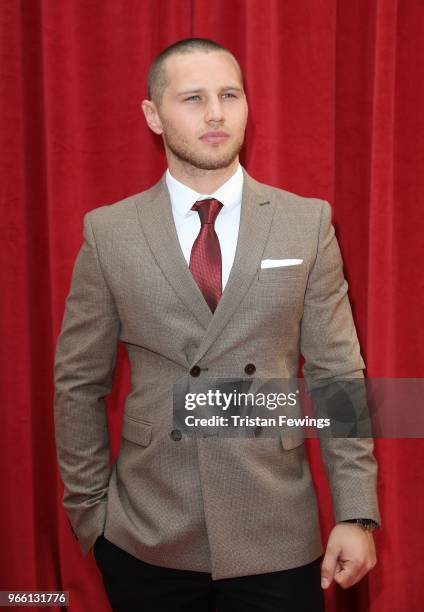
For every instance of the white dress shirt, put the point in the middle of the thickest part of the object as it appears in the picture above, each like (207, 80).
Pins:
(187, 222)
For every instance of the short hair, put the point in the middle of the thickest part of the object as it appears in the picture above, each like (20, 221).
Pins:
(157, 78)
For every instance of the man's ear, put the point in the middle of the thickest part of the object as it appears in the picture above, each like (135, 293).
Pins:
(152, 116)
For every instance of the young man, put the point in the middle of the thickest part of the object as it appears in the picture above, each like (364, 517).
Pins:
(177, 274)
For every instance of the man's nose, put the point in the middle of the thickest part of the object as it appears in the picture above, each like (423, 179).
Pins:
(214, 110)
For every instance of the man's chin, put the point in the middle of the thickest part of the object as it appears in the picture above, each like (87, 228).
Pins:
(211, 163)
(213, 159)
(213, 166)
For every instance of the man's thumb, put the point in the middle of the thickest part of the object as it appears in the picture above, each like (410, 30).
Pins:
(328, 568)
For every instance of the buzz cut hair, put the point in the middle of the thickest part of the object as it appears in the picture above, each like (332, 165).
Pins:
(157, 79)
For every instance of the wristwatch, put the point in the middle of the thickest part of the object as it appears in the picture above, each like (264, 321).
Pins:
(365, 524)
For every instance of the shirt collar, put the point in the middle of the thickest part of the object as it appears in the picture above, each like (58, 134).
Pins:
(183, 197)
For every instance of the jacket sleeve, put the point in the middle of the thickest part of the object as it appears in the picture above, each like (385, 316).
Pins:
(330, 346)
(85, 361)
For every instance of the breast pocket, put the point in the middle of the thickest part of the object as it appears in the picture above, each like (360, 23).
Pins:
(286, 282)
(278, 274)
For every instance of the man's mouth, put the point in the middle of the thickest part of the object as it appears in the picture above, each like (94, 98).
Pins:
(214, 137)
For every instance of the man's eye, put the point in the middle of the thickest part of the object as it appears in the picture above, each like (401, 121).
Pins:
(190, 98)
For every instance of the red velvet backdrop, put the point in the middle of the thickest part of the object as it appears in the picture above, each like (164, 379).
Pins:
(336, 96)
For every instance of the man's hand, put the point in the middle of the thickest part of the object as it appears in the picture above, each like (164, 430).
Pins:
(349, 556)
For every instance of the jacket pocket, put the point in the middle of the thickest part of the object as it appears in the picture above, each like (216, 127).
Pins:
(136, 431)
(282, 274)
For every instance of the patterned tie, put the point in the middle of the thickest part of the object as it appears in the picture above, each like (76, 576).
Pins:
(205, 259)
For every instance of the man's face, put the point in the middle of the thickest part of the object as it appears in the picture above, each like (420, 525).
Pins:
(204, 94)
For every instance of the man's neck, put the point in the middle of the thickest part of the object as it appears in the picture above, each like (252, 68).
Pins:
(202, 181)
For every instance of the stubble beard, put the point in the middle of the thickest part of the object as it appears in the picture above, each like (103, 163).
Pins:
(203, 161)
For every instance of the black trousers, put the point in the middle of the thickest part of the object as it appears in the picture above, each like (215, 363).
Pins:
(135, 586)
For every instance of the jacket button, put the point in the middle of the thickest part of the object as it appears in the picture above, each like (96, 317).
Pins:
(250, 368)
(176, 435)
(195, 370)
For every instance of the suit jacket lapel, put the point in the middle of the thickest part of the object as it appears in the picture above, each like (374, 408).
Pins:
(158, 225)
(156, 218)
(255, 222)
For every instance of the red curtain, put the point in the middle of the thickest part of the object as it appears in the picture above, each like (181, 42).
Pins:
(336, 94)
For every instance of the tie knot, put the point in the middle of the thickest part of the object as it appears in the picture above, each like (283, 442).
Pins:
(208, 210)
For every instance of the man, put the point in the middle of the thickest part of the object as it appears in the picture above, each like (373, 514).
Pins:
(177, 274)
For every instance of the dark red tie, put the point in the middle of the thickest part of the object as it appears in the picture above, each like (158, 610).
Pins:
(205, 258)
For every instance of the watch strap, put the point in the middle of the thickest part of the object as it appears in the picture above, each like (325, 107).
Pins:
(366, 524)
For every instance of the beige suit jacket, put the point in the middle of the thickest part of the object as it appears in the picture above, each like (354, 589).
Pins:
(231, 507)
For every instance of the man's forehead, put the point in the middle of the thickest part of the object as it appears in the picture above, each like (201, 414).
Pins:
(179, 62)
(186, 72)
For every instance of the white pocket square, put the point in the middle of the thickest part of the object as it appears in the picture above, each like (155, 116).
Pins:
(278, 263)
